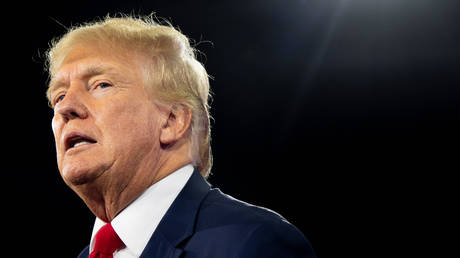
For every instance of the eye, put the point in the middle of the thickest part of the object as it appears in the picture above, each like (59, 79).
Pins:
(103, 85)
(59, 98)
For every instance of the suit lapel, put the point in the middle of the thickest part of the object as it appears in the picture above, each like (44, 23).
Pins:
(179, 221)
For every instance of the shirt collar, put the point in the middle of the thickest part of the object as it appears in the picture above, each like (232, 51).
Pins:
(137, 222)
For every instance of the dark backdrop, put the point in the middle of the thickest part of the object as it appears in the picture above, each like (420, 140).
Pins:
(341, 115)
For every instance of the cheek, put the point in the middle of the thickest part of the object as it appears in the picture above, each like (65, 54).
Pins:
(59, 152)
(55, 126)
(130, 126)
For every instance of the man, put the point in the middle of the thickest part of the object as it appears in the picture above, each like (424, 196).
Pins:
(131, 126)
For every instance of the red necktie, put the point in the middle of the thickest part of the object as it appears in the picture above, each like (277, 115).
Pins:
(107, 242)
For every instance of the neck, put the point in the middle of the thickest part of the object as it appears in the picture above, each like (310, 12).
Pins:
(107, 197)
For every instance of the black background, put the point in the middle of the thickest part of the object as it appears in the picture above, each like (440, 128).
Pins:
(341, 115)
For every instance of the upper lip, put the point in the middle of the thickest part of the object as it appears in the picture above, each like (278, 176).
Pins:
(73, 137)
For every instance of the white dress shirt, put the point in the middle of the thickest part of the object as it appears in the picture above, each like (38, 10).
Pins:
(137, 222)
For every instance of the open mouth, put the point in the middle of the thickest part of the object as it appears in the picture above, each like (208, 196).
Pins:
(78, 140)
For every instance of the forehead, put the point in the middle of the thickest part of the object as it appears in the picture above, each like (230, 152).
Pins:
(86, 60)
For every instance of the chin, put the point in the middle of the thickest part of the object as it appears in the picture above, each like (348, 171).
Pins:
(75, 176)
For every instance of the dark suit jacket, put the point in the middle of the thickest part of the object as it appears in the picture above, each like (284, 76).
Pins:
(205, 223)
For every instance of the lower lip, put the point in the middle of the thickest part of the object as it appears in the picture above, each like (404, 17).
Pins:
(80, 148)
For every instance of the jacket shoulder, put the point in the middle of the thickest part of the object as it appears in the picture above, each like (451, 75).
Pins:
(246, 230)
(280, 239)
(219, 208)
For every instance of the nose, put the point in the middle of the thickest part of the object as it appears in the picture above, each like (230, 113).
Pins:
(72, 106)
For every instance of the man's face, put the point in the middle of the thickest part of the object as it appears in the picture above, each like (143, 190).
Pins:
(105, 125)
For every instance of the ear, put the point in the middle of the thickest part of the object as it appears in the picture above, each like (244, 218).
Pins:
(176, 125)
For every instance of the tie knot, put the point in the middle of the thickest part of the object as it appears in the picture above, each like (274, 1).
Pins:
(107, 241)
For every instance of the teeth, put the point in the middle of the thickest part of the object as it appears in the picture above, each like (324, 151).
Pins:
(81, 143)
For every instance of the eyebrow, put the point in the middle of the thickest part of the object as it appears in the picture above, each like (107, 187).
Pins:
(87, 72)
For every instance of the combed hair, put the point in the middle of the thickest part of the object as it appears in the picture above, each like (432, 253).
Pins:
(175, 76)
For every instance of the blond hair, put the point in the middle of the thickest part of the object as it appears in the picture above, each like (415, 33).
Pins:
(175, 77)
